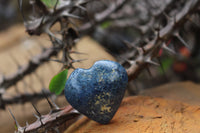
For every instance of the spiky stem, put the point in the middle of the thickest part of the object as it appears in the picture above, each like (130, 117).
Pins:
(150, 50)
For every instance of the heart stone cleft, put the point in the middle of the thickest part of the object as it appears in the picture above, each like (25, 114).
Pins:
(97, 92)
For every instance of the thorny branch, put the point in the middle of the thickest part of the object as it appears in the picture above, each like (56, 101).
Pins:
(33, 64)
(134, 23)
(46, 54)
(23, 98)
(102, 16)
(43, 122)
(150, 51)
(51, 121)
(37, 27)
(143, 57)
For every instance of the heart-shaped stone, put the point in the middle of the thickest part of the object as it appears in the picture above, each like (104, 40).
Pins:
(97, 92)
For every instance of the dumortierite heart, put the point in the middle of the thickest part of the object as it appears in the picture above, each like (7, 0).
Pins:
(97, 92)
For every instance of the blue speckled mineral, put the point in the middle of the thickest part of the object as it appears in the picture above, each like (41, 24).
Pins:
(97, 92)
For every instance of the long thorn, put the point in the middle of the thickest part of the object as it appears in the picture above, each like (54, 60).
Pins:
(55, 6)
(72, 16)
(59, 61)
(52, 106)
(164, 46)
(82, 8)
(75, 52)
(73, 61)
(149, 61)
(182, 41)
(36, 116)
(36, 110)
(16, 122)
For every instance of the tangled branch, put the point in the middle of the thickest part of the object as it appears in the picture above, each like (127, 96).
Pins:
(143, 56)
(150, 51)
(32, 65)
(51, 121)
(23, 98)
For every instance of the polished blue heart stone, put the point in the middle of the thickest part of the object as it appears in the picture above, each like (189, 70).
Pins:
(97, 92)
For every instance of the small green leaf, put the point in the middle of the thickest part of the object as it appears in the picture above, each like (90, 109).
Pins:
(106, 24)
(57, 83)
(166, 63)
(16, 128)
(49, 3)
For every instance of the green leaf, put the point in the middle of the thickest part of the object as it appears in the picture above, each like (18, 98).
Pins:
(49, 3)
(166, 63)
(57, 83)
(106, 24)
(16, 128)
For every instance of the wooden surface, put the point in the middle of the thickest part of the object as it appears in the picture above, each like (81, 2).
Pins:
(187, 92)
(146, 115)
